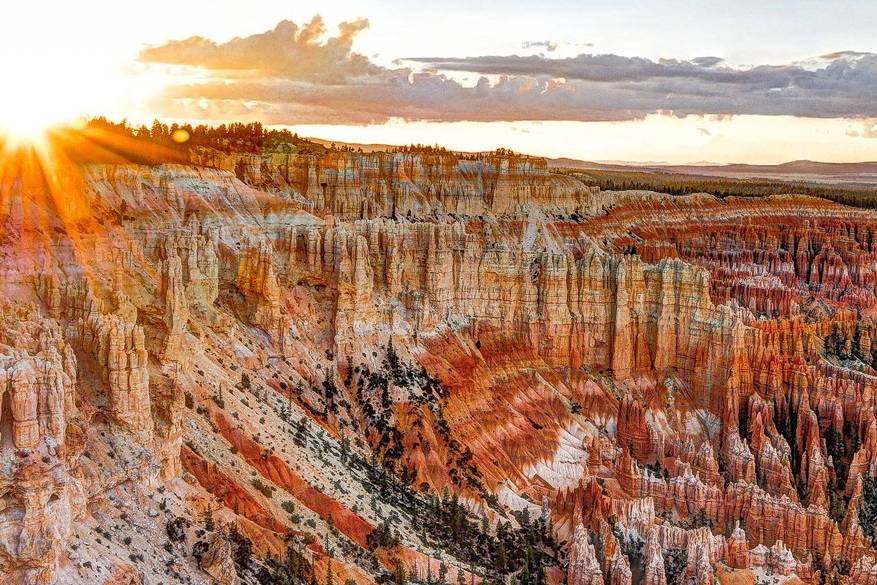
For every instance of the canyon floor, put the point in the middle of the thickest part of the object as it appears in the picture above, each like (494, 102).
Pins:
(336, 367)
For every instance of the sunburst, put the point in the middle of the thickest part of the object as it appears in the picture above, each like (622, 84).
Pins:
(44, 205)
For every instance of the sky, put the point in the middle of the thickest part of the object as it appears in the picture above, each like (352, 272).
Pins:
(670, 81)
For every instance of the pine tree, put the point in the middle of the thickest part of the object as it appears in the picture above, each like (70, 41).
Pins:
(501, 561)
(868, 507)
(208, 520)
(345, 448)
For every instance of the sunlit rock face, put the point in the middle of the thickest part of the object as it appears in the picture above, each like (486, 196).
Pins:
(352, 186)
(245, 349)
(38, 379)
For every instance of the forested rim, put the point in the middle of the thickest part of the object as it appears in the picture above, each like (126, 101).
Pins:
(677, 184)
(161, 142)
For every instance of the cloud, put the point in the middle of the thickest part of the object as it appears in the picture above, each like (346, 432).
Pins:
(552, 46)
(865, 129)
(704, 70)
(547, 45)
(838, 87)
(843, 55)
(295, 74)
(288, 51)
(707, 61)
(418, 97)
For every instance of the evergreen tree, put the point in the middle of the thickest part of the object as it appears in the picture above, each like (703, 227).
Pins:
(868, 507)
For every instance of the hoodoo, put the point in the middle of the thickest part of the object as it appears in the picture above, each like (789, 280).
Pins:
(358, 365)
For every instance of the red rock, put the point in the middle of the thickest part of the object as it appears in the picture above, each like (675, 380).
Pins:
(738, 549)
(690, 383)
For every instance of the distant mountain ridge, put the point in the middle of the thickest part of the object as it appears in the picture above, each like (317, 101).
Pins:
(858, 173)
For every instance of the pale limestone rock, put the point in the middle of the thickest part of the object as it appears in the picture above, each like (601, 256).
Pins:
(176, 310)
(119, 348)
(583, 566)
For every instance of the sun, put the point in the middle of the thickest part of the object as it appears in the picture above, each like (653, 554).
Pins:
(42, 92)
(29, 105)
(28, 128)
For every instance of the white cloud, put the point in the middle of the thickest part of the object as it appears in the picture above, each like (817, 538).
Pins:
(296, 74)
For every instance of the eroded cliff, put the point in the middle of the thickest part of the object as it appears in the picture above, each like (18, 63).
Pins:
(363, 365)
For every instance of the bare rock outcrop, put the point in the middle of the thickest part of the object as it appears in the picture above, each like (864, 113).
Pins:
(690, 371)
(218, 561)
(120, 353)
(583, 566)
(176, 309)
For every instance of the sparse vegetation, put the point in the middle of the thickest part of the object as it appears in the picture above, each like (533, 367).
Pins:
(265, 489)
(176, 529)
(420, 390)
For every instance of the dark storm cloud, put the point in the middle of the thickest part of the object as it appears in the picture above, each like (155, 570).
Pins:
(294, 74)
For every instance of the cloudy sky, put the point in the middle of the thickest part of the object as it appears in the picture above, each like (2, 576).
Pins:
(663, 81)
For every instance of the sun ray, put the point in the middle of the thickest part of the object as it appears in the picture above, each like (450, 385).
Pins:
(44, 203)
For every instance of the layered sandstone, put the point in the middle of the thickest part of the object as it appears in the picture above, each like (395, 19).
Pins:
(689, 377)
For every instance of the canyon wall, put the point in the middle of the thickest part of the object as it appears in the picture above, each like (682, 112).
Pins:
(675, 385)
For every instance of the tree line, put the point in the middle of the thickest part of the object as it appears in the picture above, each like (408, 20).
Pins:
(680, 184)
